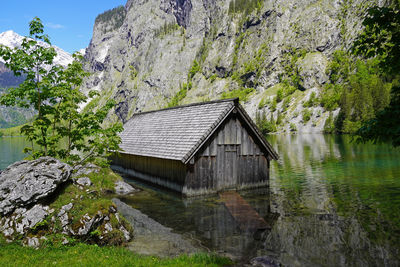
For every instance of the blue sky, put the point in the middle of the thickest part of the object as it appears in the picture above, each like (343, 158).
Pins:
(68, 23)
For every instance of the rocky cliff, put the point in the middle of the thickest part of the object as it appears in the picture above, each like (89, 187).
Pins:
(273, 54)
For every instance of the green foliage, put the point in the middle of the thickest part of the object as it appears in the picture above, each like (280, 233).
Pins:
(194, 69)
(340, 67)
(286, 103)
(289, 61)
(92, 255)
(213, 78)
(53, 91)
(13, 131)
(166, 29)
(266, 126)
(244, 6)
(274, 104)
(364, 94)
(184, 88)
(279, 95)
(115, 17)
(312, 100)
(263, 102)
(330, 96)
(293, 127)
(381, 38)
(242, 93)
(306, 113)
(279, 118)
(358, 87)
(132, 72)
(238, 43)
(329, 126)
(285, 90)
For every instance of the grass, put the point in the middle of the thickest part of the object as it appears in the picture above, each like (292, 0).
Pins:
(242, 93)
(92, 255)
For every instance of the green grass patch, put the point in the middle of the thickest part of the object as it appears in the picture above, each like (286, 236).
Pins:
(92, 255)
(90, 203)
(241, 93)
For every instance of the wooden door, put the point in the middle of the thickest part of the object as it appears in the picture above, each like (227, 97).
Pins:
(227, 167)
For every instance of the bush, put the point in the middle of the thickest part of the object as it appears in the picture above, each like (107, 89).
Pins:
(264, 125)
(279, 95)
(306, 115)
(293, 127)
(311, 101)
(194, 69)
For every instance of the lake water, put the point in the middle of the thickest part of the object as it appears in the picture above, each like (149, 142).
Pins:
(330, 203)
(11, 150)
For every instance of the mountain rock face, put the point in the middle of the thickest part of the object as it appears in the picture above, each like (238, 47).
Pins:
(168, 52)
(11, 116)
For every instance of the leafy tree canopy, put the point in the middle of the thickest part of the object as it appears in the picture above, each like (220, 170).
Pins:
(381, 38)
(59, 129)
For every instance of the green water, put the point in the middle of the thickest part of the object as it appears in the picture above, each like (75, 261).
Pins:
(331, 203)
(11, 150)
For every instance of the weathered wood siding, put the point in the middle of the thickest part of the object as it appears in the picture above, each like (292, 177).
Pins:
(168, 173)
(230, 159)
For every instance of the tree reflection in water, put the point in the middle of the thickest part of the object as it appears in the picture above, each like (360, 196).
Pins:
(330, 202)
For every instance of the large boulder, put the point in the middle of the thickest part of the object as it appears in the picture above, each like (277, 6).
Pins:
(25, 182)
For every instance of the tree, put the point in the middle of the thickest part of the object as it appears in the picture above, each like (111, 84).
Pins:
(381, 38)
(59, 129)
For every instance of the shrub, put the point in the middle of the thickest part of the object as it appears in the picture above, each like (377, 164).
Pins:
(194, 69)
(306, 115)
(312, 100)
(264, 125)
(293, 127)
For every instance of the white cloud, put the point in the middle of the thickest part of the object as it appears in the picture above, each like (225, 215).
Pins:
(54, 25)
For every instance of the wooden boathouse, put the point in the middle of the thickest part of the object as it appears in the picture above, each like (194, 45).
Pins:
(196, 149)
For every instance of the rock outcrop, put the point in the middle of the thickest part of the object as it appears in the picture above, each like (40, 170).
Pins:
(32, 206)
(150, 58)
(25, 182)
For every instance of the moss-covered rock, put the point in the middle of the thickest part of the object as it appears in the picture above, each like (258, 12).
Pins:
(75, 211)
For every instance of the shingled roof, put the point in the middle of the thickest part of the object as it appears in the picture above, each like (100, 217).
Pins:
(177, 133)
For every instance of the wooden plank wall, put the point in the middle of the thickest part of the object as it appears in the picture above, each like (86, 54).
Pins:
(215, 167)
(173, 170)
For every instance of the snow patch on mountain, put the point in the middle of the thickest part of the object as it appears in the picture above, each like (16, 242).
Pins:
(12, 39)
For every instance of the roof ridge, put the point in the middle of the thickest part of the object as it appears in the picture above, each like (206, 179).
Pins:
(207, 132)
(236, 99)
